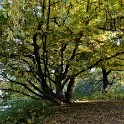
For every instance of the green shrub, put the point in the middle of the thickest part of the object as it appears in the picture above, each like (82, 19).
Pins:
(89, 90)
(24, 111)
(111, 95)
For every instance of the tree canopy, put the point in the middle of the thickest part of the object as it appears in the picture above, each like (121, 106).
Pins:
(46, 44)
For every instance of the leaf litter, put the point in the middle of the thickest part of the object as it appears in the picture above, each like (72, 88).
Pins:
(92, 112)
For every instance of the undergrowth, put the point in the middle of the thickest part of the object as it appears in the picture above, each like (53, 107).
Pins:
(99, 96)
(24, 111)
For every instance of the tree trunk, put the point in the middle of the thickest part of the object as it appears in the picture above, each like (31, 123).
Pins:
(58, 87)
(68, 94)
(105, 80)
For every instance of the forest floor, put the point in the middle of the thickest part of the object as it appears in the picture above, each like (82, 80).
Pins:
(88, 112)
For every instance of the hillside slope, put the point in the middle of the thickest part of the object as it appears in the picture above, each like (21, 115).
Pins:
(93, 112)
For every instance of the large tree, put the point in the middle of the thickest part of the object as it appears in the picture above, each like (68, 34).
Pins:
(46, 44)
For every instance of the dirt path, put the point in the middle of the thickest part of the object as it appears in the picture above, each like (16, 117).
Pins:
(95, 112)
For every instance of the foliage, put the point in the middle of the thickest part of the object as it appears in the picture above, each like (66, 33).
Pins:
(98, 95)
(49, 43)
(90, 87)
(26, 111)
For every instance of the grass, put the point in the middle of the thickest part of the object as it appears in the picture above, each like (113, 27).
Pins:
(99, 96)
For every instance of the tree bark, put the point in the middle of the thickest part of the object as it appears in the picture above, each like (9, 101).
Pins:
(105, 79)
(68, 94)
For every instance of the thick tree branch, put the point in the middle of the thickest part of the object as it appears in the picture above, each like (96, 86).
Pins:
(35, 87)
(37, 56)
(63, 47)
(108, 72)
(90, 67)
(77, 40)
(16, 91)
(21, 84)
(97, 62)
(44, 39)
